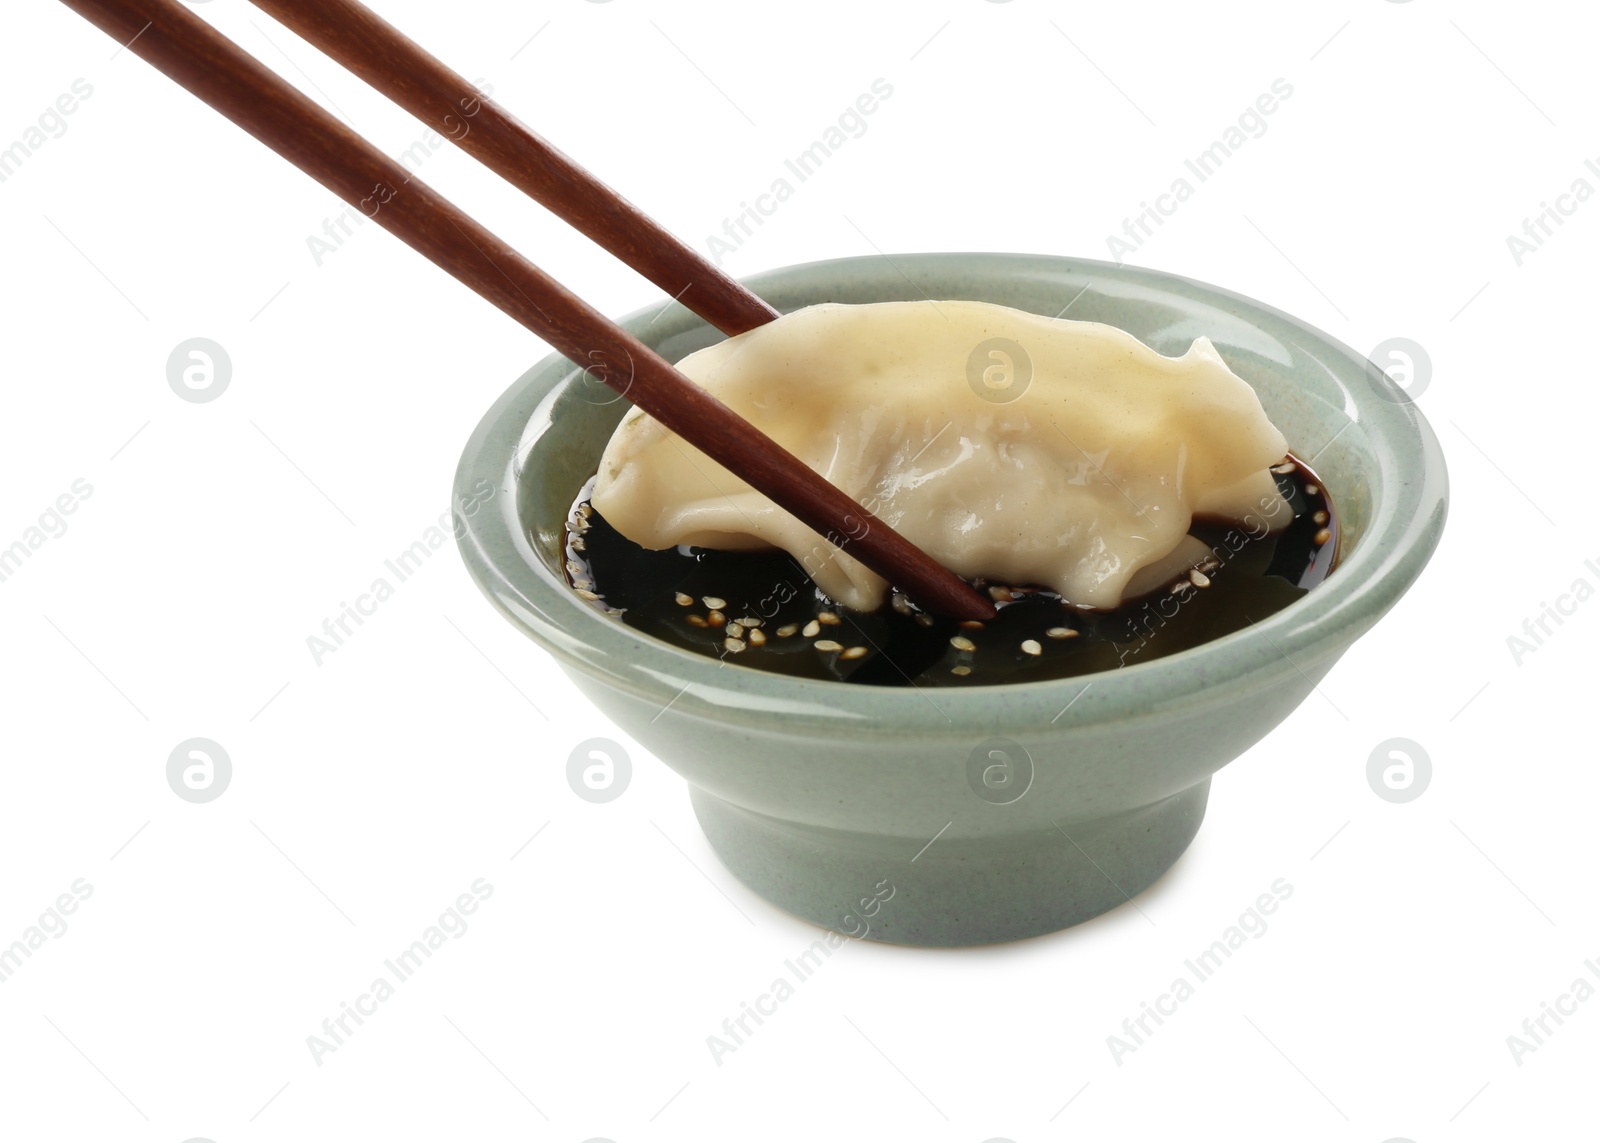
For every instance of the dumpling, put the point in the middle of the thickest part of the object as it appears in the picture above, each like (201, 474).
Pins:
(1006, 445)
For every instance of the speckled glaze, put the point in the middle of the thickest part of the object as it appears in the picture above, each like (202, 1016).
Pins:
(824, 796)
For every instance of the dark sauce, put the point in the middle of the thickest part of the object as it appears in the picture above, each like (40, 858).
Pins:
(1036, 635)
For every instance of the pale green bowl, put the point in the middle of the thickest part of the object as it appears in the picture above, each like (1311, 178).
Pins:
(822, 795)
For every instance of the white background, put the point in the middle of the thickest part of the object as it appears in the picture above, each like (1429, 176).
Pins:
(370, 791)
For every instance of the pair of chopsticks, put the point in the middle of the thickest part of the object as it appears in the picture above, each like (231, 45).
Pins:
(212, 67)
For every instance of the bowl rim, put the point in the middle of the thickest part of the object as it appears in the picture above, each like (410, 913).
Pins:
(1403, 530)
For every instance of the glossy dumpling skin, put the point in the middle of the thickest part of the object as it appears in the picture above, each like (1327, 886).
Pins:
(1005, 444)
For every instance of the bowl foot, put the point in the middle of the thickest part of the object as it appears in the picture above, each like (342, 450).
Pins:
(957, 891)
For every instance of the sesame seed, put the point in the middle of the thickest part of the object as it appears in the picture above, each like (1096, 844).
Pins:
(900, 603)
(735, 631)
(734, 645)
(811, 630)
(1322, 537)
(962, 643)
(1284, 469)
(1062, 633)
(924, 619)
(1031, 647)
(1312, 490)
(696, 621)
(961, 669)
(1000, 594)
(683, 600)
(854, 653)
(1181, 585)
(787, 630)
(584, 593)
(575, 568)
(713, 603)
(716, 618)
(828, 645)
(579, 544)
(972, 624)
(828, 617)
(758, 638)
(748, 622)
(1319, 517)
(1199, 578)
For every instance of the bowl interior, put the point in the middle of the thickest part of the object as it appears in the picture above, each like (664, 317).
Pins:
(1379, 459)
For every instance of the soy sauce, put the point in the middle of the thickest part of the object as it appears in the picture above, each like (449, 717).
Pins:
(702, 600)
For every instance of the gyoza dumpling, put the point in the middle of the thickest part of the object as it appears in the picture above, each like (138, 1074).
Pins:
(1004, 444)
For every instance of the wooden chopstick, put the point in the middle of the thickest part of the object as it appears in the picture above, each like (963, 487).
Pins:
(188, 50)
(353, 35)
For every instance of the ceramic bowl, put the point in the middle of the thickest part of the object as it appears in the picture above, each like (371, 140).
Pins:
(986, 813)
